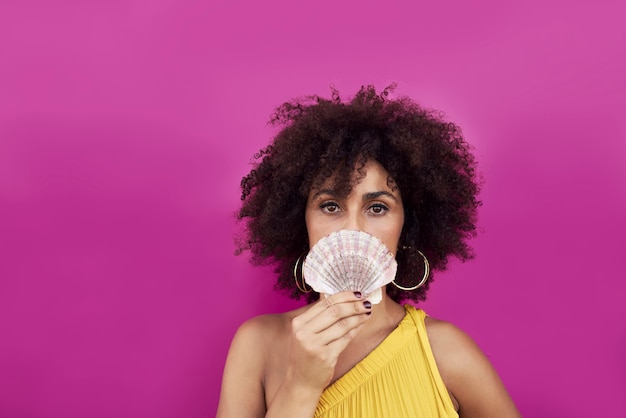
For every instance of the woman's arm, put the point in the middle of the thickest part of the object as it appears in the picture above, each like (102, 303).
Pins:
(467, 373)
(316, 339)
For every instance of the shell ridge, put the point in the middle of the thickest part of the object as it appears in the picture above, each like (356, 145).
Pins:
(349, 260)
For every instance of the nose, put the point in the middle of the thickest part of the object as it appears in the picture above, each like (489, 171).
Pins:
(353, 222)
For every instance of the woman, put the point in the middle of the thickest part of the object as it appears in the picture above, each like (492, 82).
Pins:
(400, 173)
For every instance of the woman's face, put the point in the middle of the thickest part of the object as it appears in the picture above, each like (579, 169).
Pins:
(372, 206)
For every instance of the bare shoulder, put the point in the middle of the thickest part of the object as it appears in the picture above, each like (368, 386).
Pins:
(250, 358)
(451, 346)
(467, 373)
(256, 339)
(261, 328)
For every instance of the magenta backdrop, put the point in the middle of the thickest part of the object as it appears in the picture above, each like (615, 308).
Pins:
(125, 127)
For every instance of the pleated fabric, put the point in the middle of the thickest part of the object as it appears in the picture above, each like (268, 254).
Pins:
(399, 378)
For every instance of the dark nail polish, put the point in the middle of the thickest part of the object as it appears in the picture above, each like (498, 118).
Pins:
(367, 304)
(368, 313)
(358, 295)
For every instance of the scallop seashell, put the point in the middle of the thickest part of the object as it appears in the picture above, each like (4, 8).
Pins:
(350, 260)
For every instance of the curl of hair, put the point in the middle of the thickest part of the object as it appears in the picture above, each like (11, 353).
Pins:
(426, 157)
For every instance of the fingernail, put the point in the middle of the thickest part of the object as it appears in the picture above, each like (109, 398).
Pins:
(367, 304)
(368, 313)
(358, 295)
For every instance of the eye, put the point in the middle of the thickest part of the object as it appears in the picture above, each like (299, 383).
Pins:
(378, 209)
(330, 207)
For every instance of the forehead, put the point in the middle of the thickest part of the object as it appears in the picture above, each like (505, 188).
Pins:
(371, 177)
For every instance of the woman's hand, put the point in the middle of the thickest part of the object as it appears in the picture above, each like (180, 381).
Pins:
(319, 335)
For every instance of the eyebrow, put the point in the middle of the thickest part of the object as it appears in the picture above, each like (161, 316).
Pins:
(375, 195)
(320, 192)
(366, 196)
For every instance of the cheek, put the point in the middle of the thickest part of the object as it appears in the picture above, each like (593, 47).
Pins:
(393, 236)
(392, 246)
(316, 233)
(312, 229)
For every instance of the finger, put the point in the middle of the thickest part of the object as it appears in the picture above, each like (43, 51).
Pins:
(337, 346)
(325, 302)
(338, 313)
(343, 329)
(332, 309)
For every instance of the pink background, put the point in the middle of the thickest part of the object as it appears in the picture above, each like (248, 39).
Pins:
(125, 127)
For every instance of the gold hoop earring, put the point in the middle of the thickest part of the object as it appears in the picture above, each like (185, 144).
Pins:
(426, 273)
(300, 284)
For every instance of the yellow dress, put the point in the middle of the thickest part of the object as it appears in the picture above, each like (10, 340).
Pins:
(399, 378)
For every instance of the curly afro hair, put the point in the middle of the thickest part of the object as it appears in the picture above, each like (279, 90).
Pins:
(425, 156)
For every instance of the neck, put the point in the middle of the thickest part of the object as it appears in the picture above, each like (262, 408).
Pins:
(386, 315)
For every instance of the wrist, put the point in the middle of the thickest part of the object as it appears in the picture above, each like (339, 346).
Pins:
(302, 388)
